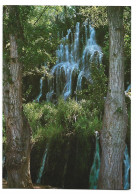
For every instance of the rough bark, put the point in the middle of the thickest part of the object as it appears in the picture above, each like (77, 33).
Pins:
(114, 128)
(18, 131)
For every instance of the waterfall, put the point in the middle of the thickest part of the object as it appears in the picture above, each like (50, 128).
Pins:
(71, 64)
(40, 94)
(94, 172)
(42, 167)
(126, 169)
(41, 85)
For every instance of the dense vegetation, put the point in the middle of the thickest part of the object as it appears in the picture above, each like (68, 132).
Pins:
(48, 120)
(40, 29)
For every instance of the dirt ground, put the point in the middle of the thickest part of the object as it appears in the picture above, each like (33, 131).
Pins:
(5, 186)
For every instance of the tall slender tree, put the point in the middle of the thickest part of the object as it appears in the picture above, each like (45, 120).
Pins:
(114, 129)
(17, 128)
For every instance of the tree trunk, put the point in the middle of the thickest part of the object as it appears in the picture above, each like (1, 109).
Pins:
(17, 128)
(114, 129)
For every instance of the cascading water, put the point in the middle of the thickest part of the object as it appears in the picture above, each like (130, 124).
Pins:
(94, 172)
(40, 94)
(126, 169)
(42, 167)
(71, 64)
(41, 85)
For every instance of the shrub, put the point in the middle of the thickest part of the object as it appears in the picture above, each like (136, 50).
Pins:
(48, 120)
(40, 116)
(95, 93)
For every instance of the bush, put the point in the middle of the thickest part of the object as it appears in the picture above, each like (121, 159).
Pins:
(48, 120)
(94, 95)
(40, 116)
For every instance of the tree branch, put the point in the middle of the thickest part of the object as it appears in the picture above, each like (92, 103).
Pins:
(40, 15)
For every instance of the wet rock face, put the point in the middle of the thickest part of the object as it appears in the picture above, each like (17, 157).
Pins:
(35, 159)
(67, 164)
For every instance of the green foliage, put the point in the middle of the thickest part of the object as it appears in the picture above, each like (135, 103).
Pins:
(96, 92)
(15, 22)
(127, 44)
(105, 50)
(70, 117)
(40, 116)
(33, 40)
(38, 30)
(97, 15)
